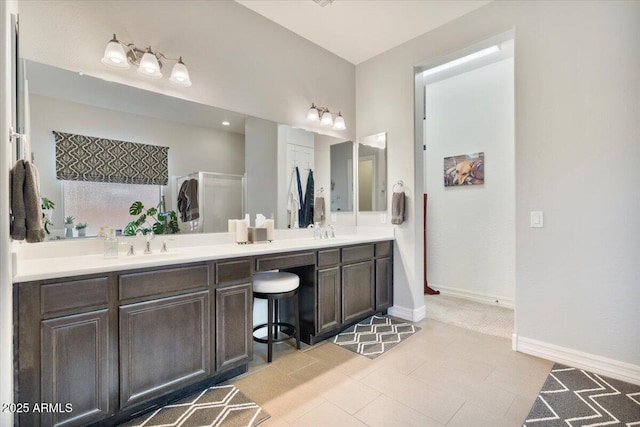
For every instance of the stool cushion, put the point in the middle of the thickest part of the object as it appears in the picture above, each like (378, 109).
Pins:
(275, 282)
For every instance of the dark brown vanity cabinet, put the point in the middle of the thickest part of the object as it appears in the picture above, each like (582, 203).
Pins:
(164, 331)
(233, 313)
(66, 351)
(358, 286)
(164, 345)
(384, 276)
(329, 288)
(349, 284)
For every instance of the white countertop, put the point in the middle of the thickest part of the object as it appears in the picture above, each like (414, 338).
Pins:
(63, 259)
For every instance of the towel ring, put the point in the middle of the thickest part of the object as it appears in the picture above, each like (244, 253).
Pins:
(398, 187)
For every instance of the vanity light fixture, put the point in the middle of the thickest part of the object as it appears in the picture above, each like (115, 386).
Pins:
(225, 123)
(120, 55)
(325, 117)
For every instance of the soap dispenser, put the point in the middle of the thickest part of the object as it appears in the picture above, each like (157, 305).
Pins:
(111, 245)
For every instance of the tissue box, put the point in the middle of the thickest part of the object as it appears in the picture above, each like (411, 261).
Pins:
(257, 234)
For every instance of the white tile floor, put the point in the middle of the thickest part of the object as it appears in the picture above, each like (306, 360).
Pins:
(443, 375)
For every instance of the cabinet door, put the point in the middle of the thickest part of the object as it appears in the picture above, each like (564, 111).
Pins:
(75, 368)
(234, 317)
(329, 300)
(358, 292)
(384, 284)
(164, 345)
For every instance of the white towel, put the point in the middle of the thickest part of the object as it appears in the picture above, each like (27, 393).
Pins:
(293, 201)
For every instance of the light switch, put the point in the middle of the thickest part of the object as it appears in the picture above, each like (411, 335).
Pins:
(334, 217)
(383, 218)
(537, 219)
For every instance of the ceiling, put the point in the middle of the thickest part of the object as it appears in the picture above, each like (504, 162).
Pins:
(358, 30)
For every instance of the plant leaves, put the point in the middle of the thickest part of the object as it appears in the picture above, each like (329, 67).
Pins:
(136, 208)
(131, 228)
(158, 228)
(152, 211)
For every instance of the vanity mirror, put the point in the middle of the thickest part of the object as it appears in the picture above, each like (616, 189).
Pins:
(200, 138)
(342, 177)
(372, 173)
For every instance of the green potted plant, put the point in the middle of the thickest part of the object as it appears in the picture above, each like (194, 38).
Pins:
(82, 229)
(68, 226)
(47, 206)
(151, 220)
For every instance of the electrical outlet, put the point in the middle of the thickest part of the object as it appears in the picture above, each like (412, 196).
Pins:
(383, 218)
(334, 217)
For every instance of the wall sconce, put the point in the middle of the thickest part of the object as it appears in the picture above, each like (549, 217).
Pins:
(120, 55)
(325, 117)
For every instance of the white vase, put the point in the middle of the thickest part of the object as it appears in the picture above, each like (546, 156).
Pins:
(82, 232)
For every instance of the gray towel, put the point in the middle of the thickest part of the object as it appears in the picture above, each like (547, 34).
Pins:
(25, 203)
(318, 213)
(19, 231)
(35, 229)
(191, 194)
(397, 208)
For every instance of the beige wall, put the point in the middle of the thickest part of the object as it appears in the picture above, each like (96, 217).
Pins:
(238, 60)
(576, 103)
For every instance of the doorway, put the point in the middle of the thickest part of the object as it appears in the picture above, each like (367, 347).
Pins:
(468, 110)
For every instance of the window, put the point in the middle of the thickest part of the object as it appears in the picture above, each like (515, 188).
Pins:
(105, 204)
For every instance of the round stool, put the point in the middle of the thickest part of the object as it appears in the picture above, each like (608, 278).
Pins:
(274, 286)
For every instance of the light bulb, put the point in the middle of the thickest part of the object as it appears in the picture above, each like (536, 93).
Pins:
(149, 65)
(326, 118)
(339, 123)
(313, 115)
(180, 74)
(114, 55)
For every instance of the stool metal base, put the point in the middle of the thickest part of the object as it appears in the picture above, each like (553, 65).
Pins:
(273, 323)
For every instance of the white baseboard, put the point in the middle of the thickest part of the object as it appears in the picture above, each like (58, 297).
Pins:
(476, 296)
(600, 365)
(413, 315)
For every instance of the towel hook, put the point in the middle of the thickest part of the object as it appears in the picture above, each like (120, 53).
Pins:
(398, 187)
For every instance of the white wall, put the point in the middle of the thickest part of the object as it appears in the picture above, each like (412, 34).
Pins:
(6, 120)
(576, 103)
(191, 148)
(471, 229)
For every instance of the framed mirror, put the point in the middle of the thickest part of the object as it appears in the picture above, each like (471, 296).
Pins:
(341, 159)
(372, 173)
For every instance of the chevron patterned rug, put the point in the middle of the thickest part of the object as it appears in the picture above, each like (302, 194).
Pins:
(221, 406)
(375, 335)
(573, 397)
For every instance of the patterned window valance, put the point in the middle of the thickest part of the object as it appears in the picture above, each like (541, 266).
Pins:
(86, 158)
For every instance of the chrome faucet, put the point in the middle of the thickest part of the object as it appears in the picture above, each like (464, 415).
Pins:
(147, 246)
(131, 250)
(164, 246)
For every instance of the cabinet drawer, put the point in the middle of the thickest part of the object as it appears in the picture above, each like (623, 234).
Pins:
(357, 253)
(328, 257)
(383, 249)
(64, 296)
(136, 285)
(233, 271)
(285, 261)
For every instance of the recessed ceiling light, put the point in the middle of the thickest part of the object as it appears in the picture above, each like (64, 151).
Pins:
(225, 123)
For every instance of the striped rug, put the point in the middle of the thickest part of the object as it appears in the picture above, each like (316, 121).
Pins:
(375, 335)
(574, 397)
(221, 406)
